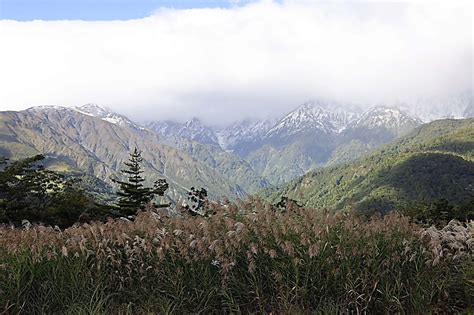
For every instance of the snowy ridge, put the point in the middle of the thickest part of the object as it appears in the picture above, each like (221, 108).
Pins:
(327, 117)
(196, 131)
(92, 110)
(324, 117)
(191, 130)
(317, 116)
(165, 127)
(243, 131)
(105, 114)
(47, 107)
(388, 117)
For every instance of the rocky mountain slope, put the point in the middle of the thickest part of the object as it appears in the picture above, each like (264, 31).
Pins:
(106, 114)
(79, 141)
(192, 130)
(243, 136)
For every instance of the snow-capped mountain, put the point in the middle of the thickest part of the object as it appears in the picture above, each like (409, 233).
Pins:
(165, 128)
(191, 130)
(106, 114)
(41, 108)
(323, 116)
(244, 131)
(196, 131)
(269, 151)
(314, 121)
(386, 117)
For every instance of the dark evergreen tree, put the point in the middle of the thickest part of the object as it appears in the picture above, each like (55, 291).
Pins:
(133, 195)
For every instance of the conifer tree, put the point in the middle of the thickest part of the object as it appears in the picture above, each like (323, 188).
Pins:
(133, 195)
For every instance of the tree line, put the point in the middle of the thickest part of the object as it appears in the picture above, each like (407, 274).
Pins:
(30, 193)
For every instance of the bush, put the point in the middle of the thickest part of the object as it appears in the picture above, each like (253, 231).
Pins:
(440, 212)
(242, 259)
(30, 192)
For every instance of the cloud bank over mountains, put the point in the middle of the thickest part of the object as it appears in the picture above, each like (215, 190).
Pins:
(258, 59)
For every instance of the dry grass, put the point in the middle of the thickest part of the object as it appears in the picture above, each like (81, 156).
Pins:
(246, 258)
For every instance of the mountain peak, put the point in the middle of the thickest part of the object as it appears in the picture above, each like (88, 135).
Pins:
(193, 130)
(244, 132)
(386, 116)
(320, 115)
(94, 109)
(106, 114)
(194, 123)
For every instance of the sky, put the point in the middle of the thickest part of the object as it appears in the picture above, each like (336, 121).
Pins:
(227, 60)
(92, 10)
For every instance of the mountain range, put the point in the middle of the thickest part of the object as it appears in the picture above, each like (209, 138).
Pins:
(434, 161)
(233, 161)
(75, 141)
(312, 135)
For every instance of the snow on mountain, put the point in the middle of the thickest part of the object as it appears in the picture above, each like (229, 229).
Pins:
(323, 116)
(244, 131)
(92, 110)
(388, 117)
(166, 128)
(196, 131)
(192, 130)
(106, 114)
(47, 107)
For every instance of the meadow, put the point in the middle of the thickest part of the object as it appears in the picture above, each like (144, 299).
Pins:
(246, 258)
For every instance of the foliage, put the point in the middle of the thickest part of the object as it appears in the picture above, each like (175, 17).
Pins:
(440, 212)
(286, 202)
(435, 161)
(243, 259)
(30, 192)
(159, 188)
(133, 196)
(198, 202)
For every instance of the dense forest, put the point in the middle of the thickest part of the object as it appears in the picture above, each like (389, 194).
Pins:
(432, 163)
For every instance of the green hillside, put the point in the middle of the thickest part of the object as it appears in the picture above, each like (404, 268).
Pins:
(435, 161)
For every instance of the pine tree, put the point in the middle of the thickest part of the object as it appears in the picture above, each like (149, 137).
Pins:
(133, 195)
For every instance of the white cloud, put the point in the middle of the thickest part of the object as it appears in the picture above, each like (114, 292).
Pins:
(257, 59)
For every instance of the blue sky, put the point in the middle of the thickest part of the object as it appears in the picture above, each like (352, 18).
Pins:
(25, 10)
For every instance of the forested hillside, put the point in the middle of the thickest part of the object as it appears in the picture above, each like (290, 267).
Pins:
(433, 162)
